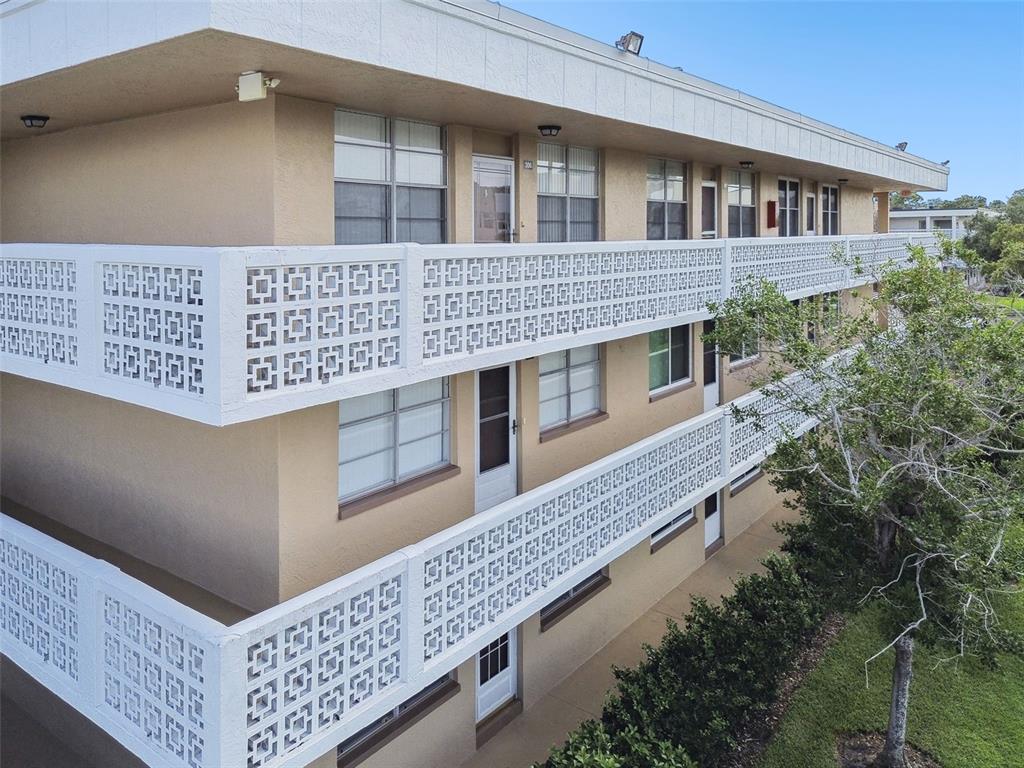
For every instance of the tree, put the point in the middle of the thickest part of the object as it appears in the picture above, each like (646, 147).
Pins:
(899, 201)
(911, 487)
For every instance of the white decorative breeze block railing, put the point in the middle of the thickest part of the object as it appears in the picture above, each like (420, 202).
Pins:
(286, 685)
(222, 335)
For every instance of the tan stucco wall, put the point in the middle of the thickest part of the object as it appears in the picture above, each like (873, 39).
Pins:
(746, 506)
(228, 174)
(303, 172)
(525, 149)
(196, 500)
(460, 184)
(623, 185)
(315, 546)
(856, 211)
(631, 415)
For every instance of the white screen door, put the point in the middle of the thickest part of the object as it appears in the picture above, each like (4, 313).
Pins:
(496, 428)
(712, 520)
(496, 674)
(493, 208)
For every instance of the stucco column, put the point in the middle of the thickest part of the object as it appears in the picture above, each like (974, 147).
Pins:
(767, 190)
(524, 152)
(723, 202)
(623, 201)
(693, 198)
(882, 222)
(460, 183)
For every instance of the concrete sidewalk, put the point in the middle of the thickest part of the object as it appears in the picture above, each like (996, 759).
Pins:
(580, 696)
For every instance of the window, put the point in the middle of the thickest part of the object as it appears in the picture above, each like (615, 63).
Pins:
(748, 350)
(668, 356)
(739, 190)
(567, 599)
(829, 210)
(789, 208)
(747, 477)
(708, 206)
(810, 215)
(566, 194)
(360, 740)
(666, 200)
(387, 437)
(673, 525)
(389, 180)
(494, 659)
(570, 385)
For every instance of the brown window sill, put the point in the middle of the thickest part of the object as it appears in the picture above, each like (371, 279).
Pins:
(347, 509)
(406, 720)
(573, 426)
(494, 722)
(747, 482)
(559, 612)
(670, 390)
(669, 537)
(739, 365)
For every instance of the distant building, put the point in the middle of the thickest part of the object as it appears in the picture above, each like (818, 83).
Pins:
(952, 222)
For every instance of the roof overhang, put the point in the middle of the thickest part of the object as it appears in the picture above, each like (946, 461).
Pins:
(471, 63)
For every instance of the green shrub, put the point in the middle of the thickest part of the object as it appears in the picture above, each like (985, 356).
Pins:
(703, 682)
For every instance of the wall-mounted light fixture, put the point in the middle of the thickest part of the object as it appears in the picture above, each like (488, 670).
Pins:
(944, 163)
(902, 146)
(549, 130)
(842, 181)
(35, 121)
(746, 165)
(631, 42)
(252, 86)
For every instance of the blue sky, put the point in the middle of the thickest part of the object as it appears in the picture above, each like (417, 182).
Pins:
(947, 77)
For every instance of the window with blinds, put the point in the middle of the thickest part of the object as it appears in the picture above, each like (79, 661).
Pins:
(666, 200)
(567, 194)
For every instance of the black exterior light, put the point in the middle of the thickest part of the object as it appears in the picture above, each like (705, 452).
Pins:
(549, 130)
(902, 146)
(842, 181)
(746, 165)
(631, 42)
(35, 121)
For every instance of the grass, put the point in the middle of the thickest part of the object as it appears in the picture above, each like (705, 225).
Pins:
(965, 715)
(1010, 302)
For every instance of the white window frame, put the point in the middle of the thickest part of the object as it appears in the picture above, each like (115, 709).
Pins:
(391, 181)
(810, 204)
(799, 211)
(567, 195)
(689, 355)
(744, 358)
(753, 197)
(578, 588)
(395, 414)
(672, 526)
(665, 202)
(709, 234)
(745, 479)
(567, 368)
(826, 211)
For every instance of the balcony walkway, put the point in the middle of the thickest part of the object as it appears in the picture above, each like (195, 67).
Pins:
(580, 696)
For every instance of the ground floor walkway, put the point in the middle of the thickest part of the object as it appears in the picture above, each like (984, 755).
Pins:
(580, 696)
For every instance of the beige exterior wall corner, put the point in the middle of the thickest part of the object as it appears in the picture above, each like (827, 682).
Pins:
(303, 172)
(198, 501)
(623, 189)
(882, 212)
(767, 190)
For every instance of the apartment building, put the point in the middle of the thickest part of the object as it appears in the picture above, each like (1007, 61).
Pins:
(354, 390)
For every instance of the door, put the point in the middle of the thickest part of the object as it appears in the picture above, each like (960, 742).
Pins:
(496, 675)
(710, 370)
(789, 208)
(496, 478)
(493, 213)
(712, 521)
(708, 209)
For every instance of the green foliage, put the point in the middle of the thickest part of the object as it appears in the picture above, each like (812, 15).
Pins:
(703, 681)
